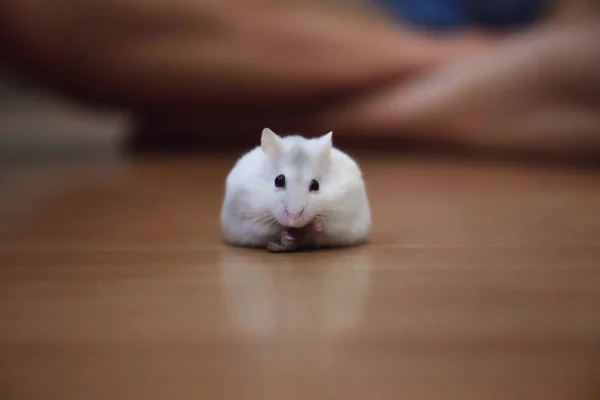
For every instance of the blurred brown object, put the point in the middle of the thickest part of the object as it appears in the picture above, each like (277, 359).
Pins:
(536, 91)
(533, 95)
(196, 74)
(185, 52)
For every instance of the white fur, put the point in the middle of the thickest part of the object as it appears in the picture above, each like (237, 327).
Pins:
(253, 208)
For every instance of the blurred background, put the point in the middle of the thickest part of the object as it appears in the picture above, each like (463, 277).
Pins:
(475, 123)
(40, 123)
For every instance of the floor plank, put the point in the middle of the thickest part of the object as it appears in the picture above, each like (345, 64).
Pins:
(479, 281)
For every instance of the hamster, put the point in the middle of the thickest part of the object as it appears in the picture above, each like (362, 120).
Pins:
(292, 193)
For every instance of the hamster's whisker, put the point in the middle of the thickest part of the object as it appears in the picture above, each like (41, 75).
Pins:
(266, 219)
(270, 224)
(262, 218)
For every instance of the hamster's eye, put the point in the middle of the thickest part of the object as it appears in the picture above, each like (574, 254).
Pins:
(280, 181)
(314, 185)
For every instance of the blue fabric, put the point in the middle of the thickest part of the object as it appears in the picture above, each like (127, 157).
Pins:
(453, 14)
(426, 13)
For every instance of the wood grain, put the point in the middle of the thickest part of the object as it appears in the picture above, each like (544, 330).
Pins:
(480, 281)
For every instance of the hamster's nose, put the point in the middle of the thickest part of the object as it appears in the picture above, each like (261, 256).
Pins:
(294, 218)
(290, 214)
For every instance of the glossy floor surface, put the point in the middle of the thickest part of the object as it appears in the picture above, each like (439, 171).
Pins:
(480, 281)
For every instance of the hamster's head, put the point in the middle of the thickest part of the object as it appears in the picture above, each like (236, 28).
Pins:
(296, 177)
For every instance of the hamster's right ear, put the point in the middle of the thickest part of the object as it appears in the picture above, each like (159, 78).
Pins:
(271, 143)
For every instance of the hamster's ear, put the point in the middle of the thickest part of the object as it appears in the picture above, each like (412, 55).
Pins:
(271, 143)
(324, 145)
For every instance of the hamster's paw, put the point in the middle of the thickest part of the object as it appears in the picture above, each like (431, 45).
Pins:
(317, 224)
(287, 243)
(287, 239)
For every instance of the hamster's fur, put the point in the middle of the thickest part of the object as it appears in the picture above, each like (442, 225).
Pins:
(255, 211)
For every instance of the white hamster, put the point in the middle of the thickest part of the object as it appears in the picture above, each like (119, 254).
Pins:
(293, 193)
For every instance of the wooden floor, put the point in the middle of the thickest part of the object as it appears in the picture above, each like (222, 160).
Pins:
(481, 281)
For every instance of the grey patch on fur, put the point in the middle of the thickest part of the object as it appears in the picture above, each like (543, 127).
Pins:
(298, 156)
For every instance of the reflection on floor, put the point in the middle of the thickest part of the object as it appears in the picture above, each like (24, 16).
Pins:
(480, 281)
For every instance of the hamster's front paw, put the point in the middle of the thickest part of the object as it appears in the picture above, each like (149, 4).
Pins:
(287, 242)
(287, 238)
(317, 224)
